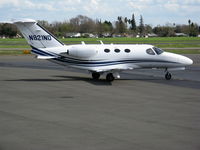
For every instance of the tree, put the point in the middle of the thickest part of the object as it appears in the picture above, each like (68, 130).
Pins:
(126, 20)
(107, 27)
(83, 24)
(178, 29)
(189, 22)
(8, 30)
(199, 29)
(148, 28)
(99, 28)
(193, 29)
(120, 25)
(164, 31)
(141, 27)
(133, 23)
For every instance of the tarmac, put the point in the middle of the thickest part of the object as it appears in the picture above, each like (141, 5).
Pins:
(44, 106)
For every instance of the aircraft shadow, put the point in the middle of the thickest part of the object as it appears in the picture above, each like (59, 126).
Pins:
(103, 82)
(65, 78)
(89, 80)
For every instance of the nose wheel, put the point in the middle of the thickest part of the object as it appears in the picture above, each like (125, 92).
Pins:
(168, 76)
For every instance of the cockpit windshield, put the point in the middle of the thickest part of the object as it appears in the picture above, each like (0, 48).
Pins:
(150, 51)
(158, 50)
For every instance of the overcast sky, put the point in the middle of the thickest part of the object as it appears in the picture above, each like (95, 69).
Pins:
(154, 12)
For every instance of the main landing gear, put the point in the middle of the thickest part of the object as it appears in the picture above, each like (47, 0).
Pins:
(95, 75)
(109, 77)
(168, 75)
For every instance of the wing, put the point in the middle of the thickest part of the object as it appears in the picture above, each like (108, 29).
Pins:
(45, 57)
(114, 68)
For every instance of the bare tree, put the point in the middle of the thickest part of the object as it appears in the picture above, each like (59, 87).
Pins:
(141, 27)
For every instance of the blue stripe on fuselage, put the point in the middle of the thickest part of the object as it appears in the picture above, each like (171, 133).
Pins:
(98, 64)
(40, 52)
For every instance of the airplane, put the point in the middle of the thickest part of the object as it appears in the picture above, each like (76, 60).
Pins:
(99, 59)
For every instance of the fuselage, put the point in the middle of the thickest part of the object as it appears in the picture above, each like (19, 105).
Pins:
(104, 57)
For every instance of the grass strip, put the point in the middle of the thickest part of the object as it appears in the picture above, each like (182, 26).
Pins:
(14, 52)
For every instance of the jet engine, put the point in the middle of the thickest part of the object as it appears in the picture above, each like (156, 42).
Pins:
(81, 51)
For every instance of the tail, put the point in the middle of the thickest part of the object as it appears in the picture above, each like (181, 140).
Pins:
(36, 35)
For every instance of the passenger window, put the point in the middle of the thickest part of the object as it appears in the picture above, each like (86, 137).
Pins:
(117, 50)
(127, 50)
(107, 50)
(150, 51)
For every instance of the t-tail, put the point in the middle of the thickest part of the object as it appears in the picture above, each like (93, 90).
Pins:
(36, 35)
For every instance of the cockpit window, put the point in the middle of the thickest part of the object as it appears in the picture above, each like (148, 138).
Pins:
(150, 51)
(158, 50)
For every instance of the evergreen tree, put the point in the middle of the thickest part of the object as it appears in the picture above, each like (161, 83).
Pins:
(189, 22)
(133, 23)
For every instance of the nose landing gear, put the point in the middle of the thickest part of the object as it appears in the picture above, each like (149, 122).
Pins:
(168, 75)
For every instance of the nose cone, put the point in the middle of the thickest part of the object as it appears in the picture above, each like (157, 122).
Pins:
(186, 61)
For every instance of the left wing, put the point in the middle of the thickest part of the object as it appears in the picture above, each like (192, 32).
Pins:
(113, 68)
(45, 57)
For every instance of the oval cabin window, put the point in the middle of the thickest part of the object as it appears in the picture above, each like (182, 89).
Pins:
(117, 50)
(106, 50)
(127, 50)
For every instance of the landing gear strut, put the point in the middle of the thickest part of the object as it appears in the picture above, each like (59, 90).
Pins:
(95, 75)
(110, 77)
(168, 76)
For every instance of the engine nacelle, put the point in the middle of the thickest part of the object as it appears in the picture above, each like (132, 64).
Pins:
(82, 51)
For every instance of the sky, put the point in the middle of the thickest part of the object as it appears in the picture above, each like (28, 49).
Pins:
(154, 12)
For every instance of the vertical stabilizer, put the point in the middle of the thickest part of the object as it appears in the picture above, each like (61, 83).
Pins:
(36, 35)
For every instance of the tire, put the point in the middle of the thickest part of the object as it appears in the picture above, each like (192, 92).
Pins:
(110, 77)
(95, 75)
(168, 76)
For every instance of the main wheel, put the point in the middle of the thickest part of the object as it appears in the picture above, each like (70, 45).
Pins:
(110, 77)
(95, 75)
(168, 76)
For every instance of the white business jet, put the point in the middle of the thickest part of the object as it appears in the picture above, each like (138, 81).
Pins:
(98, 59)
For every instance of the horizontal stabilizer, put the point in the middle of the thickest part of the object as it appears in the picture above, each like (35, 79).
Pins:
(13, 21)
(45, 57)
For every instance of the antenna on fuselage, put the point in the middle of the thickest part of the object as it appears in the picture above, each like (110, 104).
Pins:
(101, 42)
